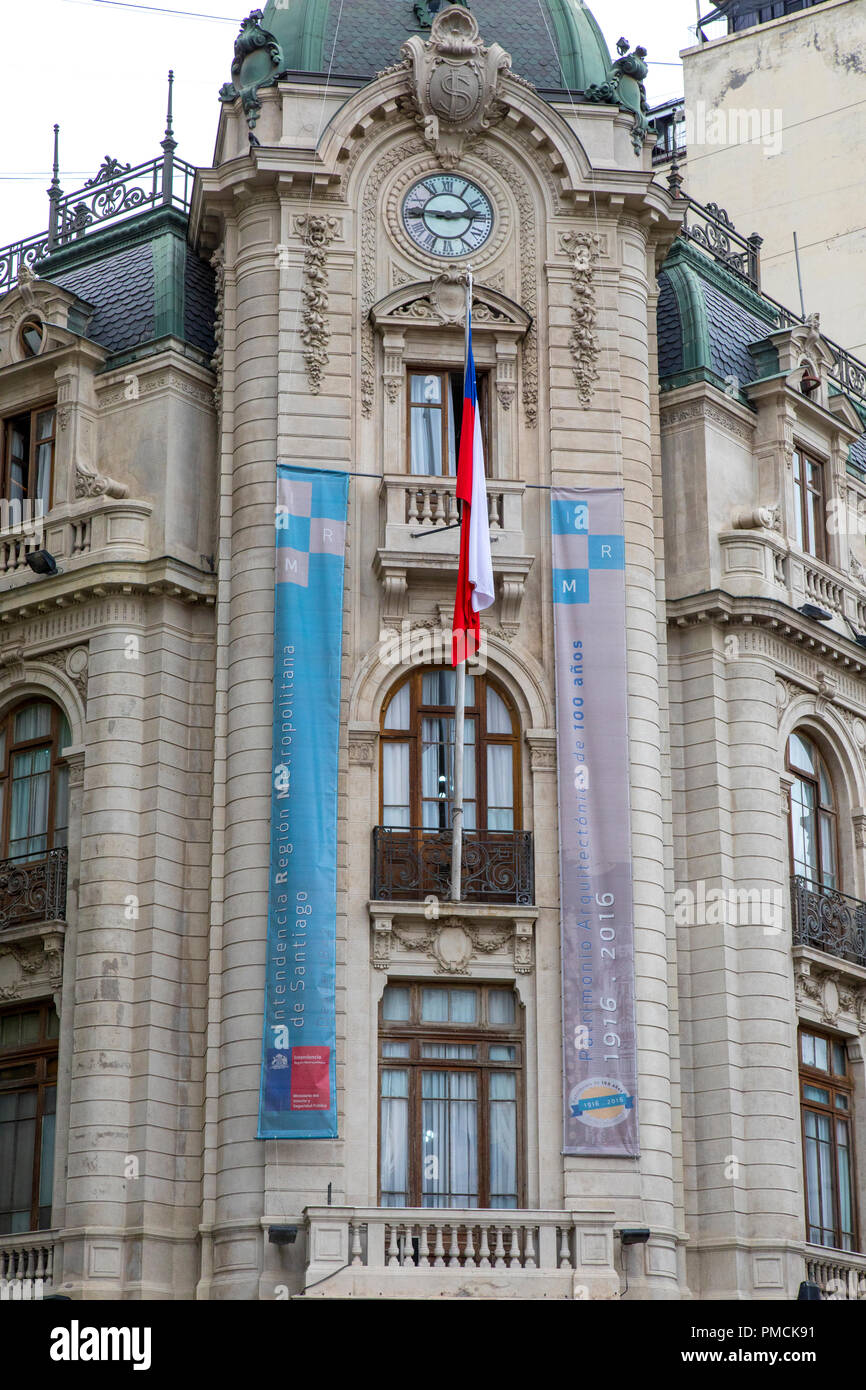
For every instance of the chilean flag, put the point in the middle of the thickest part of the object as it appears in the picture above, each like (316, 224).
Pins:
(475, 573)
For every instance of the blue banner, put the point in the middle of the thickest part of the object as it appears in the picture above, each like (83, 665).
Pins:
(596, 907)
(298, 1093)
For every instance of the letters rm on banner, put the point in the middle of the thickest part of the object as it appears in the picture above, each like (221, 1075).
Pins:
(599, 1054)
(298, 1093)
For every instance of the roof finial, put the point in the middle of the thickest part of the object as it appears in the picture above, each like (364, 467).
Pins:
(55, 172)
(168, 146)
(169, 133)
(55, 193)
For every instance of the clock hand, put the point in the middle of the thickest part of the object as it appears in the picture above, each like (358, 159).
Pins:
(455, 216)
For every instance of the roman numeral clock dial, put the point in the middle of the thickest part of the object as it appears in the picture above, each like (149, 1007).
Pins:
(447, 215)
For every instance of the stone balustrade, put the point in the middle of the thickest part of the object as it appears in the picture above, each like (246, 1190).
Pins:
(839, 1275)
(419, 1252)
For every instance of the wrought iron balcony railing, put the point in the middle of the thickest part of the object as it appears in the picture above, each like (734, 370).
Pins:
(828, 921)
(409, 864)
(33, 890)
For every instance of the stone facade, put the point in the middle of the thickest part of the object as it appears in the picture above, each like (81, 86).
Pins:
(156, 641)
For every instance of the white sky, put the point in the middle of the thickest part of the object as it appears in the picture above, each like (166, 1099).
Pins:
(101, 74)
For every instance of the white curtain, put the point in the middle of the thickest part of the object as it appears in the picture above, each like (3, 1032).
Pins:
(28, 830)
(395, 1138)
(449, 1124)
(503, 1139)
(500, 787)
(395, 783)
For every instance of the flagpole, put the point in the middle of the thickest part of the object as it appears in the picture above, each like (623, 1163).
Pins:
(460, 709)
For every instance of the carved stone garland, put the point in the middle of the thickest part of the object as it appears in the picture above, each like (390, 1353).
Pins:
(318, 232)
(217, 260)
(583, 342)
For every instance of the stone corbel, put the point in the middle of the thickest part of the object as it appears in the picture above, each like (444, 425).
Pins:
(828, 688)
(89, 483)
(381, 945)
(752, 519)
(785, 785)
(395, 592)
(394, 370)
(858, 818)
(506, 372)
(362, 745)
(542, 749)
(512, 588)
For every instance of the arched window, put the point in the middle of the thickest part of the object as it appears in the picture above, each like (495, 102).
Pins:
(813, 815)
(417, 760)
(34, 780)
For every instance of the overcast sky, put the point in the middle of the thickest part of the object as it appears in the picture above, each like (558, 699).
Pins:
(101, 74)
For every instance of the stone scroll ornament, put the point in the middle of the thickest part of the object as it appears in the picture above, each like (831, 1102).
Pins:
(455, 82)
(624, 87)
(258, 62)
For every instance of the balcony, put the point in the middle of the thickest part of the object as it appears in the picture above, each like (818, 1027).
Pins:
(839, 1275)
(33, 890)
(411, 864)
(421, 538)
(411, 1252)
(828, 921)
(27, 1265)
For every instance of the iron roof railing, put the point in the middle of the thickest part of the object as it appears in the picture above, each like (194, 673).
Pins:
(115, 191)
(710, 228)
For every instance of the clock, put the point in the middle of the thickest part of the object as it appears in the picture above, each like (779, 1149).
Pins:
(447, 215)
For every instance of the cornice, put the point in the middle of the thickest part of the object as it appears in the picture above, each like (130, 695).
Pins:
(777, 618)
(162, 577)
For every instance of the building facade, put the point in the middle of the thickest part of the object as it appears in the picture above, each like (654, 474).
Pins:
(296, 309)
(774, 131)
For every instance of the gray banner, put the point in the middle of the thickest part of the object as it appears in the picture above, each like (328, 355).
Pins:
(599, 1053)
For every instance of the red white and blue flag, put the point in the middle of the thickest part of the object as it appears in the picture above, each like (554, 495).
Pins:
(475, 573)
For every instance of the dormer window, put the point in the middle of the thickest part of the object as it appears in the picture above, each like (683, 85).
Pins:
(31, 336)
(809, 528)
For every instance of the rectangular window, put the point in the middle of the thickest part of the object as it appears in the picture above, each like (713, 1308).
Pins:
(826, 1102)
(28, 458)
(435, 414)
(809, 527)
(28, 1100)
(450, 1097)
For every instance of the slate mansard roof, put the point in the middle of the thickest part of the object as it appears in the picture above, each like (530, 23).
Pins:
(143, 281)
(557, 44)
(709, 325)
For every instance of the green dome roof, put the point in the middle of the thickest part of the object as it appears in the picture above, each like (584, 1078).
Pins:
(557, 46)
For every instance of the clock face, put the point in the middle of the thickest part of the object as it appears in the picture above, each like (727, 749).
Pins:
(447, 215)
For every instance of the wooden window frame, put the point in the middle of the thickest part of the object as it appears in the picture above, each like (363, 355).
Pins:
(836, 1085)
(43, 1056)
(796, 774)
(52, 740)
(802, 492)
(481, 1034)
(32, 471)
(482, 383)
(478, 712)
